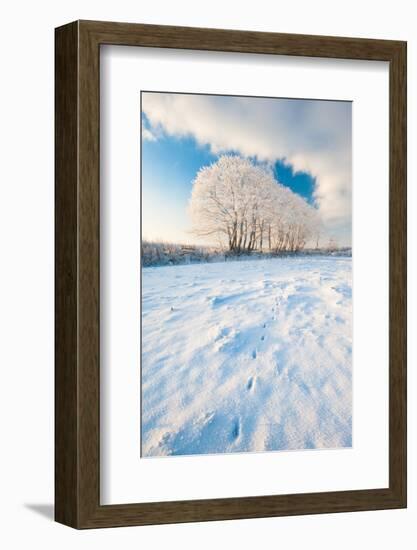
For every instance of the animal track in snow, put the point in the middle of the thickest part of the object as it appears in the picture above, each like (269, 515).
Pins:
(250, 384)
(236, 429)
(249, 337)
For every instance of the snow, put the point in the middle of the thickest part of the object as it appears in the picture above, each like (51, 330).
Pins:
(247, 356)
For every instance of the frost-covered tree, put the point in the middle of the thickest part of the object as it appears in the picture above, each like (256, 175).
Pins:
(243, 205)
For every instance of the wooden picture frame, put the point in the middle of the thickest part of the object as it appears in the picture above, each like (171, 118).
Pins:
(77, 370)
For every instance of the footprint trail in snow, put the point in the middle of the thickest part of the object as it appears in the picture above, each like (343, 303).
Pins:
(247, 356)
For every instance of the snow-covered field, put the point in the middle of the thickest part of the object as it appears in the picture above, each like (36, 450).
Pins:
(247, 356)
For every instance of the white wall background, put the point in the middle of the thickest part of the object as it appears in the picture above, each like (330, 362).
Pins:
(26, 272)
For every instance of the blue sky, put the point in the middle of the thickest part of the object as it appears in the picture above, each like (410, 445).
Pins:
(308, 147)
(169, 166)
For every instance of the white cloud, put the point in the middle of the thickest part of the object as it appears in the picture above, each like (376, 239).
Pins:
(313, 136)
(147, 135)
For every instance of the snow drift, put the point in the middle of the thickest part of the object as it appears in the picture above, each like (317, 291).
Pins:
(247, 356)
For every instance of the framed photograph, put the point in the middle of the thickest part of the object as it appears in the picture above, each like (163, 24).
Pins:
(230, 274)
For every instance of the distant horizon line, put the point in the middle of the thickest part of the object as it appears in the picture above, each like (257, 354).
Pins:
(207, 245)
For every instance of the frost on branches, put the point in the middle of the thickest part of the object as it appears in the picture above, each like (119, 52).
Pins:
(246, 209)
